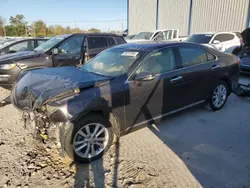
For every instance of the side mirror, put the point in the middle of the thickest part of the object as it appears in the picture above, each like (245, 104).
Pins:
(144, 76)
(216, 42)
(54, 51)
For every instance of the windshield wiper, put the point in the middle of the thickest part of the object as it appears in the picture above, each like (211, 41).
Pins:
(95, 73)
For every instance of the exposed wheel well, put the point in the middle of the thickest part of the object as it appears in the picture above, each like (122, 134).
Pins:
(229, 84)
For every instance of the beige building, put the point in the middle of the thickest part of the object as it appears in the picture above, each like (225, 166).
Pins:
(189, 16)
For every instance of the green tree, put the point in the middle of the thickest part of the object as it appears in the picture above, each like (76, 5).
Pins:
(94, 30)
(17, 20)
(40, 28)
(18, 25)
(59, 30)
(1, 26)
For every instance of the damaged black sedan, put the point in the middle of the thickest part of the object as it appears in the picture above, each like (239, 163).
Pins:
(124, 88)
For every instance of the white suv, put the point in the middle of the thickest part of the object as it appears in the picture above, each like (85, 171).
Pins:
(220, 40)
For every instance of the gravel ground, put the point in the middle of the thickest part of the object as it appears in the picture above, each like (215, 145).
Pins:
(196, 148)
(143, 162)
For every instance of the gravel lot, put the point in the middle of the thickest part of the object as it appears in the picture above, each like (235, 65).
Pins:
(195, 148)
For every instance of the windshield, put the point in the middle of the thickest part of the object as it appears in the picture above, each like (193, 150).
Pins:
(200, 38)
(49, 44)
(143, 35)
(112, 62)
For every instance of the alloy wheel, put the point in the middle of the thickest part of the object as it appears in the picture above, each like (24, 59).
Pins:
(90, 140)
(219, 96)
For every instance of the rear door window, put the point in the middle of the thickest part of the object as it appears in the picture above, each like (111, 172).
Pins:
(210, 57)
(224, 37)
(159, 62)
(111, 41)
(119, 40)
(21, 46)
(192, 56)
(97, 42)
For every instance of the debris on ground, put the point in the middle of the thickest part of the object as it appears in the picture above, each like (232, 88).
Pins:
(243, 90)
(26, 162)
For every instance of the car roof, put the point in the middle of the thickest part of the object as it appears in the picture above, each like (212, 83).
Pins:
(213, 33)
(151, 46)
(97, 34)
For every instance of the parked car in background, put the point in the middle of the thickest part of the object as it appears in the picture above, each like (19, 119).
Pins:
(6, 40)
(129, 37)
(243, 51)
(220, 40)
(124, 88)
(63, 50)
(159, 35)
(17, 45)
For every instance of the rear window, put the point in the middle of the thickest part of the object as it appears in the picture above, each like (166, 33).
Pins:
(119, 40)
(200, 38)
(224, 37)
(97, 42)
(238, 35)
(192, 56)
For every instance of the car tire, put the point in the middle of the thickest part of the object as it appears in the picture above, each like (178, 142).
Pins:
(76, 139)
(218, 96)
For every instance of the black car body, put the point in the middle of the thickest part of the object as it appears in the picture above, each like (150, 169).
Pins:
(17, 45)
(126, 87)
(63, 50)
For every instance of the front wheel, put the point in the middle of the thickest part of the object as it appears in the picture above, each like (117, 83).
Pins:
(218, 97)
(91, 137)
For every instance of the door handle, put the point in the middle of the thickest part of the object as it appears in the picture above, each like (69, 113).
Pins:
(176, 79)
(214, 67)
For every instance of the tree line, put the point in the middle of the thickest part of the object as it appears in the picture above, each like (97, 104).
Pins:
(19, 27)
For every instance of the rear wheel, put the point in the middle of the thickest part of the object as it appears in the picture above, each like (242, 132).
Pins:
(91, 137)
(218, 96)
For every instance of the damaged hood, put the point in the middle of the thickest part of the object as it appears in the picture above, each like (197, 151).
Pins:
(246, 36)
(18, 56)
(40, 85)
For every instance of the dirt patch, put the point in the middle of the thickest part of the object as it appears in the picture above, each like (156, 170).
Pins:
(139, 160)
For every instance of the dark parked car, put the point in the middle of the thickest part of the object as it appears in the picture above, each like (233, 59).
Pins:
(243, 52)
(63, 50)
(17, 45)
(125, 87)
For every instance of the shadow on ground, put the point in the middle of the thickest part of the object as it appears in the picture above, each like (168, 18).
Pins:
(213, 145)
(93, 174)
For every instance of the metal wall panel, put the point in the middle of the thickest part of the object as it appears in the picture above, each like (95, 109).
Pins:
(142, 16)
(219, 15)
(174, 14)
